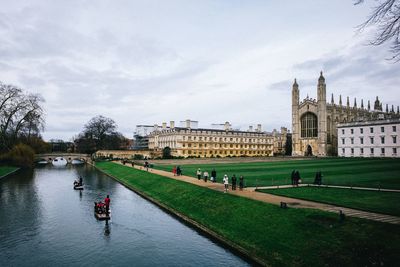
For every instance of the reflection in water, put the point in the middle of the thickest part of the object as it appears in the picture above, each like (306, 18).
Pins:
(45, 222)
(107, 230)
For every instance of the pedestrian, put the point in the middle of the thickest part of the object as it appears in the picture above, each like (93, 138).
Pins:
(205, 176)
(316, 179)
(178, 171)
(214, 175)
(133, 164)
(296, 178)
(241, 182)
(198, 174)
(174, 170)
(107, 201)
(234, 180)
(320, 178)
(226, 182)
(292, 177)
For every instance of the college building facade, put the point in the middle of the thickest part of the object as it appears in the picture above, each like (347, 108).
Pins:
(191, 141)
(314, 121)
(378, 138)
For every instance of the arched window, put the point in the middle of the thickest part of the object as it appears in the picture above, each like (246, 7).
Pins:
(309, 126)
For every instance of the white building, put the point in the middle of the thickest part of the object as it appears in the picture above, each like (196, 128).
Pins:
(379, 138)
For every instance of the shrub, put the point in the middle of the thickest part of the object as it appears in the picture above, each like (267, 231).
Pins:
(20, 155)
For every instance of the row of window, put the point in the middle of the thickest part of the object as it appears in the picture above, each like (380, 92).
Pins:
(223, 133)
(371, 130)
(225, 152)
(225, 139)
(371, 140)
(371, 150)
(224, 146)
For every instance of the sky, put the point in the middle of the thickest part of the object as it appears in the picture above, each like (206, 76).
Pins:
(148, 62)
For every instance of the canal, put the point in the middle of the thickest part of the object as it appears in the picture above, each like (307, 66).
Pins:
(44, 222)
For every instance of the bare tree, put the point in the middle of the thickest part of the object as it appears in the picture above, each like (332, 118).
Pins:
(99, 133)
(386, 17)
(20, 115)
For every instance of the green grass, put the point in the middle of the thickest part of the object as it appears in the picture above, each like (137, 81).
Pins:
(281, 237)
(380, 202)
(4, 170)
(367, 172)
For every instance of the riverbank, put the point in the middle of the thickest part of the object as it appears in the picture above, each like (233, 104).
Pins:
(7, 170)
(265, 232)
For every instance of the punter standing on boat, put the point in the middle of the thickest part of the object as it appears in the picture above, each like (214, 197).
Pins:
(80, 181)
(107, 202)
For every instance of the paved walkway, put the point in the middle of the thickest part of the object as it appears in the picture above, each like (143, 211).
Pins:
(273, 199)
(328, 186)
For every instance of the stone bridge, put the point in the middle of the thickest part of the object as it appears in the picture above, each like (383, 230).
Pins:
(69, 157)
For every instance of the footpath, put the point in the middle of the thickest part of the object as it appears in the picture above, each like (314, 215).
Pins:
(273, 199)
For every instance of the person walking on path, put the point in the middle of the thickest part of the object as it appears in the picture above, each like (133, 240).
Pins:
(241, 182)
(178, 171)
(297, 178)
(107, 201)
(226, 182)
(234, 182)
(174, 170)
(214, 175)
(198, 174)
(318, 178)
(293, 176)
(205, 176)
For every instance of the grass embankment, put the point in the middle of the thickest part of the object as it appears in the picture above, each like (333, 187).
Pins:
(364, 172)
(4, 170)
(380, 202)
(281, 237)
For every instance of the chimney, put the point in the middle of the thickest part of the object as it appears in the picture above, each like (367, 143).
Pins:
(226, 126)
(164, 125)
(187, 123)
(259, 128)
(172, 124)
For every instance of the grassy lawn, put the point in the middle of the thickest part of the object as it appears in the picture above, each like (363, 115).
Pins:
(367, 172)
(4, 170)
(381, 202)
(281, 237)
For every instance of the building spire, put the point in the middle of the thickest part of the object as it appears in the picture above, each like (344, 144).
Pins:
(355, 103)
(348, 102)
(295, 83)
(392, 110)
(340, 100)
(398, 110)
(362, 103)
(332, 102)
(369, 106)
(321, 78)
(387, 108)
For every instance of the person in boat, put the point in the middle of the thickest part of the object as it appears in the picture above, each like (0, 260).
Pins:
(76, 183)
(100, 207)
(80, 181)
(107, 203)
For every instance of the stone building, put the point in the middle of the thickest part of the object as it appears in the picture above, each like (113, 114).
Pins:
(378, 138)
(314, 121)
(190, 141)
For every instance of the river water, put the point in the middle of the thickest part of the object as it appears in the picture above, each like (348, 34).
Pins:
(44, 222)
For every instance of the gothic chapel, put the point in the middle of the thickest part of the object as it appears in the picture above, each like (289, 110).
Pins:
(314, 120)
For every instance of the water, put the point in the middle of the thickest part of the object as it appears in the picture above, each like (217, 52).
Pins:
(44, 222)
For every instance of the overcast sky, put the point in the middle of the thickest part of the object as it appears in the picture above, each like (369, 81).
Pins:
(146, 62)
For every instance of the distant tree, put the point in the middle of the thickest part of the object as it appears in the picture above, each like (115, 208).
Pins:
(99, 133)
(386, 18)
(166, 153)
(21, 116)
